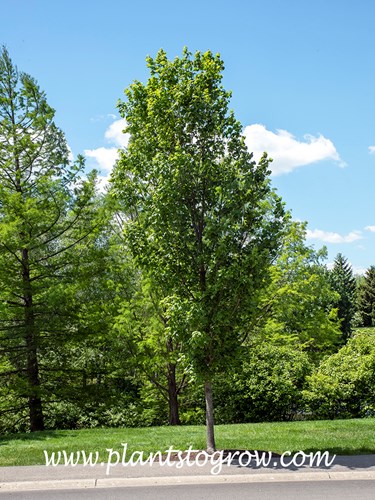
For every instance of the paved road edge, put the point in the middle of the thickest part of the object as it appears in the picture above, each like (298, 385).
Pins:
(184, 480)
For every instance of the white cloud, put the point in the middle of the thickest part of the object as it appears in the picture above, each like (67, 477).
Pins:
(330, 237)
(100, 118)
(71, 157)
(114, 134)
(286, 151)
(102, 183)
(359, 270)
(371, 150)
(105, 158)
(370, 228)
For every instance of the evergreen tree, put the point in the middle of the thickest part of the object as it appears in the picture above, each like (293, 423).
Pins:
(366, 298)
(343, 282)
(46, 216)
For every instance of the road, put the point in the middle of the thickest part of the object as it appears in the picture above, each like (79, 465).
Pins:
(301, 490)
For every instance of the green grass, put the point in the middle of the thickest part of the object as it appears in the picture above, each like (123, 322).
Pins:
(345, 437)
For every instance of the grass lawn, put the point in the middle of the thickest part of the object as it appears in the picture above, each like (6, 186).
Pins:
(345, 437)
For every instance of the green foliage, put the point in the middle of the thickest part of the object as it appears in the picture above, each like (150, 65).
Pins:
(366, 298)
(204, 222)
(155, 354)
(212, 282)
(267, 387)
(342, 280)
(296, 308)
(344, 384)
(47, 218)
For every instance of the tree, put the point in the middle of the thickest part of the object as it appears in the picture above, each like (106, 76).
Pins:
(46, 217)
(366, 298)
(298, 305)
(203, 221)
(342, 280)
(154, 353)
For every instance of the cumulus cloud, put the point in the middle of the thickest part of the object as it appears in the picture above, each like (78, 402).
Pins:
(371, 150)
(370, 228)
(331, 237)
(104, 157)
(114, 134)
(286, 151)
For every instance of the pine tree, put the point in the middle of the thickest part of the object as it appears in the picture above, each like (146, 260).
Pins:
(343, 282)
(366, 298)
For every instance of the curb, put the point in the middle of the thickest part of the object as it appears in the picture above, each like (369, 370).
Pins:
(184, 480)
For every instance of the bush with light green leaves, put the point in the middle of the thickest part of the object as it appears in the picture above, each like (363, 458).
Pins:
(344, 384)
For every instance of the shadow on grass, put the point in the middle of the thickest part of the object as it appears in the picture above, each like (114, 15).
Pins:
(35, 436)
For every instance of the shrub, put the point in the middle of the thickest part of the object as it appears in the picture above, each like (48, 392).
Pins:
(268, 386)
(343, 386)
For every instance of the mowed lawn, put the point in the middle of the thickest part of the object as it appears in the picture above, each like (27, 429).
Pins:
(345, 437)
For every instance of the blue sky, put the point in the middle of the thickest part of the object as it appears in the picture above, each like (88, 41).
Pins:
(302, 75)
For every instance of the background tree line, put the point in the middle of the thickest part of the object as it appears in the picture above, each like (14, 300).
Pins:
(183, 292)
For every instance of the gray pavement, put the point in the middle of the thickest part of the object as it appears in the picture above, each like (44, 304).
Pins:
(25, 478)
(317, 490)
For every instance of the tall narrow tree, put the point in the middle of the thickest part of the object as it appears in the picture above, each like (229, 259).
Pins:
(203, 222)
(45, 213)
(343, 282)
(366, 298)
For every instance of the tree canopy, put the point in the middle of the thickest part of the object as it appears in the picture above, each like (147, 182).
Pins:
(366, 298)
(46, 214)
(118, 308)
(204, 222)
(342, 280)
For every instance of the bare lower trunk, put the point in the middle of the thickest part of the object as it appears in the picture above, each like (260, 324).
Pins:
(174, 418)
(36, 414)
(211, 447)
(36, 417)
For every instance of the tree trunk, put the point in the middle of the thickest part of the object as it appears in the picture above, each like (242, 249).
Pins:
(211, 447)
(174, 418)
(36, 416)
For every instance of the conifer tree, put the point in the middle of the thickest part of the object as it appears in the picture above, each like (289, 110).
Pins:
(366, 298)
(343, 282)
(46, 213)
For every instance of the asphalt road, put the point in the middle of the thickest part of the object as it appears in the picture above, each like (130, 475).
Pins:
(301, 490)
